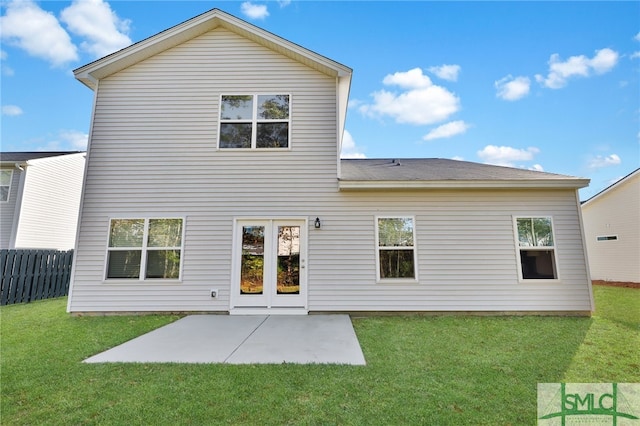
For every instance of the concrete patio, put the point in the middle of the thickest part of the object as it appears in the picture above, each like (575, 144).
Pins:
(251, 339)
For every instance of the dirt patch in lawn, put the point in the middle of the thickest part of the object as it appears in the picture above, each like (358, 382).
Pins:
(616, 284)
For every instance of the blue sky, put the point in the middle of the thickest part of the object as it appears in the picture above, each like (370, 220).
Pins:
(552, 86)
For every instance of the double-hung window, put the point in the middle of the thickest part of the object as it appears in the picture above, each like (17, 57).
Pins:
(5, 184)
(536, 248)
(254, 121)
(144, 249)
(396, 254)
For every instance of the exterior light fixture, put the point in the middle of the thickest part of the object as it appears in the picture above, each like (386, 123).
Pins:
(317, 223)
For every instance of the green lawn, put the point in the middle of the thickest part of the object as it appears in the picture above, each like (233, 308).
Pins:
(421, 370)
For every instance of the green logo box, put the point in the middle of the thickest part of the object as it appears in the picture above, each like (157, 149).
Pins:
(593, 404)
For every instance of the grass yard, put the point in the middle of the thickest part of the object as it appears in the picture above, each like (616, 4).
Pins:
(421, 370)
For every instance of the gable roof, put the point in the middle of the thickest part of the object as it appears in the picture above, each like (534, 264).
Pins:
(422, 173)
(17, 157)
(91, 73)
(611, 187)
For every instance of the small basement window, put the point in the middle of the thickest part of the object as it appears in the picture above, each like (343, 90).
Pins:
(536, 248)
(607, 238)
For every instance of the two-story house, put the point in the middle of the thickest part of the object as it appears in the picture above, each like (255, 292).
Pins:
(40, 199)
(214, 184)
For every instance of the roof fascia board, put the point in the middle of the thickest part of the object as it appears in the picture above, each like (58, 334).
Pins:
(464, 184)
(90, 73)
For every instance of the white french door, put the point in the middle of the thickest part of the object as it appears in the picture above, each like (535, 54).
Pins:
(269, 264)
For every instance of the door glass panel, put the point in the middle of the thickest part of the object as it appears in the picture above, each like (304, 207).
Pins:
(252, 268)
(288, 280)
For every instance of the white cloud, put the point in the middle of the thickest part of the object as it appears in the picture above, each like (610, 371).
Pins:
(635, 55)
(74, 140)
(37, 32)
(577, 66)
(3, 55)
(11, 110)
(457, 158)
(94, 20)
(67, 140)
(604, 61)
(513, 88)
(446, 72)
(537, 168)
(506, 155)
(600, 161)
(412, 79)
(421, 103)
(349, 148)
(637, 37)
(354, 103)
(254, 11)
(284, 3)
(447, 130)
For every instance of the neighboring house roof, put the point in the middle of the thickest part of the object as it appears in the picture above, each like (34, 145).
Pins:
(90, 74)
(415, 173)
(612, 186)
(16, 157)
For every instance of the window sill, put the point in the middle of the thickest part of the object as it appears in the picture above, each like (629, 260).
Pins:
(396, 281)
(539, 281)
(124, 281)
(252, 149)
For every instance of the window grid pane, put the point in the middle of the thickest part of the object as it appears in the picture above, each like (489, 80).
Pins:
(165, 233)
(394, 232)
(239, 107)
(124, 264)
(273, 107)
(163, 264)
(126, 233)
(273, 135)
(396, 264)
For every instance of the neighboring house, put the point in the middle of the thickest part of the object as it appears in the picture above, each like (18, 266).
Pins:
(40, 199)
(214, 183)
(612, 230)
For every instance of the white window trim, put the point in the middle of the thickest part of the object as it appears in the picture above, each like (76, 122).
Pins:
(10, 183)
(254, 121)
(143, 249)
(380, 280)
(553, 248)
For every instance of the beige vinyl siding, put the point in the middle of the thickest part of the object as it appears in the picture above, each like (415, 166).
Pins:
(8, 209)
(466, 253)
(50, 202)
(153, 154)
(616, 212)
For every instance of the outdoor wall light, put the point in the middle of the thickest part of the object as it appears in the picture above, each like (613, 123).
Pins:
(317, 223)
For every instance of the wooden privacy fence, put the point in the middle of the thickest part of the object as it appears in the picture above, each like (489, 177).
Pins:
(28, 275)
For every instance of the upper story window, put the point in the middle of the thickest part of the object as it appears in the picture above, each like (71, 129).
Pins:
(536, 247)
(254, 121)
(5, 184)
(396, 254)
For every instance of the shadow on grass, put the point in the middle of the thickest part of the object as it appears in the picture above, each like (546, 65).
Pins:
(420, 370)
